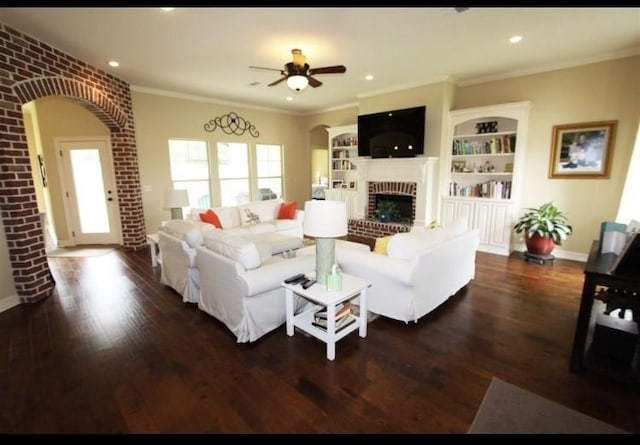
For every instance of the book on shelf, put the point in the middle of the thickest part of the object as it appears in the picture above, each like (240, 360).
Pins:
(340, 324)
(342, 309)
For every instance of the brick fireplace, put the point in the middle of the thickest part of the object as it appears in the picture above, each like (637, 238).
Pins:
(402, 192)
(388, 190)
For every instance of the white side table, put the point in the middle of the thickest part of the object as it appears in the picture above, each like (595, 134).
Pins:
(152, 241)
(318, 294)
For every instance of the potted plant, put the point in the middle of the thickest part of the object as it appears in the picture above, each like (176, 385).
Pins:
(386, 211)
(544, 228)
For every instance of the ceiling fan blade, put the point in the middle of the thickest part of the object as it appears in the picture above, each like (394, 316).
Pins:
(315, 83)
(277, 81)
(337, 69)
(267, 69)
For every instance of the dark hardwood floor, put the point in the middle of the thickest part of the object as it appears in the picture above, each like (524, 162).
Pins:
(114, 351)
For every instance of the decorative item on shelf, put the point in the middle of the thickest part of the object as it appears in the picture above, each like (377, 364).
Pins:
(487, 127)
(488, 167)
(458, 166)
(544, 228)
(325, 221)
(175, 200)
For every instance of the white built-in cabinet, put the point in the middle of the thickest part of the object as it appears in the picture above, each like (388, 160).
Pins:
(343, 174)
(484, 162)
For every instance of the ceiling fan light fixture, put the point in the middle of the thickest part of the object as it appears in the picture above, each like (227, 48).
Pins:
(297, 82)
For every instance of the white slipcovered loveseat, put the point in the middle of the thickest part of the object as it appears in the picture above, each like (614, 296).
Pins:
(420, 270)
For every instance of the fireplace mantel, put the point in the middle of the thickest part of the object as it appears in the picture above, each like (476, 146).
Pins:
(421, 170)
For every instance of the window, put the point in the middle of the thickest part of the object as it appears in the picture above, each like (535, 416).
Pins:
(269, 171)
(189, 165)
(244, 178)
(233, 173)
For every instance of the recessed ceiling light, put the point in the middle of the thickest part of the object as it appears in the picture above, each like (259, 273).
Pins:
(289, 98)
(113, 63)
(167, 9)
(515, 39)
(369, 77)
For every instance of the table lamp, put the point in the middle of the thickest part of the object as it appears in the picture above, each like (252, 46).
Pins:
(176, 200)
(325, 221)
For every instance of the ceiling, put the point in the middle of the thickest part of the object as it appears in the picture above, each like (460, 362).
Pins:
(206, 52)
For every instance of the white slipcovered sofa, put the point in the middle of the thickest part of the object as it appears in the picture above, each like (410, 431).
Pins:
(242, 288)
(419, 272)
(255, 217)
(177, 239)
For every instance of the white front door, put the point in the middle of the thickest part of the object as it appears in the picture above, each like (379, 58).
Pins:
(89, 194)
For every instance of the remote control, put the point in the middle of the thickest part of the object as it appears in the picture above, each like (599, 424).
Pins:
(307, 284)
(295, 279)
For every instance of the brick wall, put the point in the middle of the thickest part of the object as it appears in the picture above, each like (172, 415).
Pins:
(363, 228)
(31, 69)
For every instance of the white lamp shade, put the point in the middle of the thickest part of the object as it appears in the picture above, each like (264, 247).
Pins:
(325, 218)
(297, 82)
(175, 198)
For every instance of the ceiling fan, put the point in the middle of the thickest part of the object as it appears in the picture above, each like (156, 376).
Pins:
(298, 73)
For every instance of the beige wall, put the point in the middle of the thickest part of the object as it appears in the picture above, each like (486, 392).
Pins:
(160, 118)
(595, 92)
(59, 117)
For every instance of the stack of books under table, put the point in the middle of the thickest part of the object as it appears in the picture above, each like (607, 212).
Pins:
(344, 317)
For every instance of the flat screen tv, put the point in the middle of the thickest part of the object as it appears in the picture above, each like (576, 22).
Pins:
(392, 134)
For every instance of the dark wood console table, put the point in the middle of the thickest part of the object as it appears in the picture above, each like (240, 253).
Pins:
(607, 343)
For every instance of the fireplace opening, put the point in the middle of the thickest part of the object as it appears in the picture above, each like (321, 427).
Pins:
(403, 203)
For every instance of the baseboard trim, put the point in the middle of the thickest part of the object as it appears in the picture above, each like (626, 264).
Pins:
(7, 303)
(559, 253)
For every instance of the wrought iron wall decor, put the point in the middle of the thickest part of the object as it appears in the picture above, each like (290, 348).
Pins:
(232, 124)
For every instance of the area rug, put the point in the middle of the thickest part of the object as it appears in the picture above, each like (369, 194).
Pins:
(79, 252)
(509, 409)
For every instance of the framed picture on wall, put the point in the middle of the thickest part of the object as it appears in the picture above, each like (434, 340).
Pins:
(582, 150)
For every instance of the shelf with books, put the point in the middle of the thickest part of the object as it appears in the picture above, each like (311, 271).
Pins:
(481, 170)
(343, 149)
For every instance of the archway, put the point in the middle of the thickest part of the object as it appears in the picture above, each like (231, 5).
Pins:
(34, 70)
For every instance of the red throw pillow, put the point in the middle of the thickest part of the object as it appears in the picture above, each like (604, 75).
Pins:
(210, 217)
(288, 210)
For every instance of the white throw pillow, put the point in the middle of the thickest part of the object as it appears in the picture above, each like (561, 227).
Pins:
(225, 215)
(249, 214)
